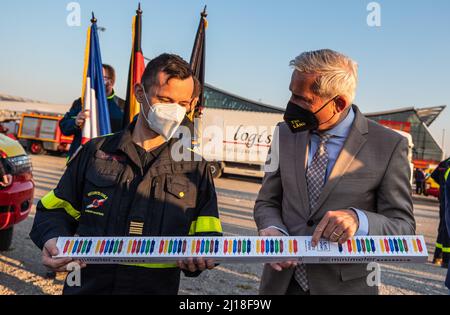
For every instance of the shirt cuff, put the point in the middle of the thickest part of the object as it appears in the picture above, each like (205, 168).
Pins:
(363, 229)
(277, 228)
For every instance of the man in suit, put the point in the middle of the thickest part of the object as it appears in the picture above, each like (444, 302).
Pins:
(342, 175)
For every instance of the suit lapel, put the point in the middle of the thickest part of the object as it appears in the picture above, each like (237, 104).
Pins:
(354, 143)
(301, 146)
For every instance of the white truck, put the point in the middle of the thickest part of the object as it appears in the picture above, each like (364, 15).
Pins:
(237, 142)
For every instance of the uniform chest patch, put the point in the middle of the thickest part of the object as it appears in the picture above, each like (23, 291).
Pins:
(98, 201)
(96, 204)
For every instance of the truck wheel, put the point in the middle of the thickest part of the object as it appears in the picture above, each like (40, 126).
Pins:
(6, 239)
(216, 169)
(36, 147)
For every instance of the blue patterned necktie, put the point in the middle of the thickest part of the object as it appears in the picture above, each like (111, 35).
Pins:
(315, 178)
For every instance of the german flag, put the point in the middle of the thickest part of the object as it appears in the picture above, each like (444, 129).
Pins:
(137, 67)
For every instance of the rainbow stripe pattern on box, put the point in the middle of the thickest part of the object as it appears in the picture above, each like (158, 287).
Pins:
(110, 250)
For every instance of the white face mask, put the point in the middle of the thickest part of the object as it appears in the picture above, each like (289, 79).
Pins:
(164, 118)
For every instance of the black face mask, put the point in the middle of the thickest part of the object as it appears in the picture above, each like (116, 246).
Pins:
(299, 119)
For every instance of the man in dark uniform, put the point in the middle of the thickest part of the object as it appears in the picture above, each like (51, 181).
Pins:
(133, 184)
(447, 215)
(442, 252)
(73, 121)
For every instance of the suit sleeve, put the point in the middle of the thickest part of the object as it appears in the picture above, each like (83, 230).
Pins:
(67, 124)
(268, 205)
(394, 213)
(58, 212)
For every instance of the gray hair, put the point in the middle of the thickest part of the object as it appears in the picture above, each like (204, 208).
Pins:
(338, 74)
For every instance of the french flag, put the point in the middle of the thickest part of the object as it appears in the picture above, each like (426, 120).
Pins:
(94, 93)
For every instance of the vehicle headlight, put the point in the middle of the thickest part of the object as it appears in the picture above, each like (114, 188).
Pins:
(19, 165)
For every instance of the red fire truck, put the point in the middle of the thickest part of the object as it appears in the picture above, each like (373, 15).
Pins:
(39, 132)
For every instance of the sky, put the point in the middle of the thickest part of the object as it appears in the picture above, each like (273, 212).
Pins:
(403, 62)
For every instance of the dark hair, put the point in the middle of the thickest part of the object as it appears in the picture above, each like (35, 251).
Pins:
(172, 65)
(110, 70)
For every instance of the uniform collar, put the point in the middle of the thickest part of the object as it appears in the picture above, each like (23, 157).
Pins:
(126, 137)
(112, 95)
(127, 146)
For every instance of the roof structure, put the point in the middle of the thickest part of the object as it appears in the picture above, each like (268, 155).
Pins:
(235, 102)
(427, 115)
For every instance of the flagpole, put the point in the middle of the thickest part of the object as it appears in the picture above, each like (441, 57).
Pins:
(136, 69)
(197, 63)
(94, 95)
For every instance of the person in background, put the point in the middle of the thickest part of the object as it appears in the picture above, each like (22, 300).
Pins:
(73, 121)
(420, 181)
(442, 252)
(446, 198)
(5, 179)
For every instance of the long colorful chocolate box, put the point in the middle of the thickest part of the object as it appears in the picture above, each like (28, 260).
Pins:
(118, 250)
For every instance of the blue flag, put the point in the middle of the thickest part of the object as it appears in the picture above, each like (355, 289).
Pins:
(94, 93)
